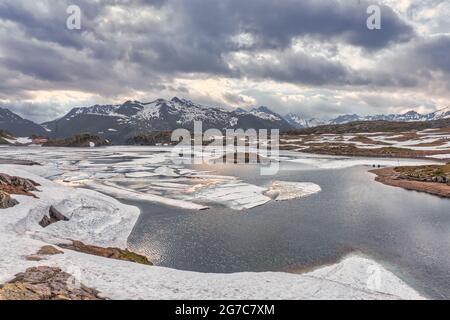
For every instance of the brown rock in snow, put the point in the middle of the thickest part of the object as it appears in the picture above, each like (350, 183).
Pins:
(46, 283)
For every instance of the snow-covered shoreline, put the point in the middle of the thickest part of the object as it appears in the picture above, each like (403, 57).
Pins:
(106, 222)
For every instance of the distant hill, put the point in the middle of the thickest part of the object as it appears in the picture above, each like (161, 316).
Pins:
(373, 126)
(16, 125)
(411, 116)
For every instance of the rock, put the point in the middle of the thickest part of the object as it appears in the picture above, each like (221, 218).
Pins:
(46, 283)
(112, 253)
(45, 222)
(5, 179)
(428, 184)
(49, 251)
(17, 185)
(6, 201)
(34, 258)
(53, 217)
(56, 214)
(24, 184)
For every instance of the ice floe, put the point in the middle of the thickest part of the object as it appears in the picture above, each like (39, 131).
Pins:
(236, 195)
(123, 193)
(287, 190)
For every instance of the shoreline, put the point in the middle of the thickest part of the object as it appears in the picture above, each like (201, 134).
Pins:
(374, 155)
(117, 279)
(388, 176)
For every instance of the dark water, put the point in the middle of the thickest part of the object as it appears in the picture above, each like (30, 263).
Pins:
(407, 231)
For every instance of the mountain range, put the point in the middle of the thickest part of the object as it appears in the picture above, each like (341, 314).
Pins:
(119, 122)
(299, 122)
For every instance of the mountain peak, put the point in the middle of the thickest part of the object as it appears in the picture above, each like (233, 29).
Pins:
(411, 112)
(443, 113)
(177, 100)
(263, 109)
(131, 103)
(240, 110)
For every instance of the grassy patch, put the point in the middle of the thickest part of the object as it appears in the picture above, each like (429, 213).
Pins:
(430, 173)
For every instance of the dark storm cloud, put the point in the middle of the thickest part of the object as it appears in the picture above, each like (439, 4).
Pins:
(435, 53)
(197, 34)
(425, 62)
(126, 46)
(46, 25)
(203, 32)
(276, 23)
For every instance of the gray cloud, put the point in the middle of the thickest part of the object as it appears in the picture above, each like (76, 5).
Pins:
(144, 45)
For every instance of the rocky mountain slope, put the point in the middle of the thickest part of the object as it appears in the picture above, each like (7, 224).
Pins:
(118, 123)
(18, 126)
(298, 122)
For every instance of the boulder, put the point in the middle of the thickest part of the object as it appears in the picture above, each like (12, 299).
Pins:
(53, 216)
(46, 283)
(17, 185)
(6, 201)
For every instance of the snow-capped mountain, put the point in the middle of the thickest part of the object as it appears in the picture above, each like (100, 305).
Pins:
(119, 122)
(299, 122)
(440, 114)
(265, 113)
(18, 126)
(408, 116)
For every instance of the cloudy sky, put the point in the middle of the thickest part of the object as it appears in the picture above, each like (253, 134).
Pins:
(316, 58)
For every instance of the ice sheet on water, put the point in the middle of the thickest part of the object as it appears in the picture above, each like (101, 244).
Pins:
(288, 190)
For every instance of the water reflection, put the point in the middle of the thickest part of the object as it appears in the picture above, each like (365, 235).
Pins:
(407, 231)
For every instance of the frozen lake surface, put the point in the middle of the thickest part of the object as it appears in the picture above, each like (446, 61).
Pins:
(409, 232)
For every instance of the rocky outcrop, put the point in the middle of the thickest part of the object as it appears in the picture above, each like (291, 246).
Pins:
(46, 283)
(6, 201)
(17, 185)
(391, 177)
(14, 185)
(151, 138)
(53, 216)
(429, 173)
(112, 253)
(80, 140)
